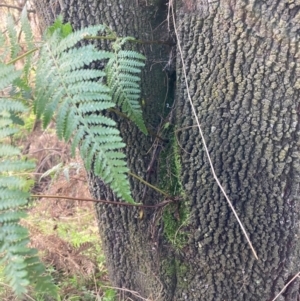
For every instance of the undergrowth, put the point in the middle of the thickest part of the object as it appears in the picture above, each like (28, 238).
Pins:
(64, 232)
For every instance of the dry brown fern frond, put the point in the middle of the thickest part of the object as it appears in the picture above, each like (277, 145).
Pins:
(62, 255)
(83, 247)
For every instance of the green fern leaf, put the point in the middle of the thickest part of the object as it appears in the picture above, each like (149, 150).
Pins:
(13, 37)
(12, 182)
(4, 51)
(62, 118)
(78, 136)
(71, 40)
(15, 255)
(6, 149)
(64, 29)
(12, 217)
(77, 95)
(10, 105)
(7, 131)
(82, 74)
(9, 166)
(123, 81)
(7, 75)
(28, 37)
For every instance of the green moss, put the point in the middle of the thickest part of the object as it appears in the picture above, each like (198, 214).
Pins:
(175, 216)
(174, 268)
(169, 266)
(170, 165)
(175, 219)
(182, 271)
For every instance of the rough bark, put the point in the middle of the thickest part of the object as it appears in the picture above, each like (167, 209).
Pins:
(242, 64)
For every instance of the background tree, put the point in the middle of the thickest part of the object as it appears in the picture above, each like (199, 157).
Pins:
(241, 60)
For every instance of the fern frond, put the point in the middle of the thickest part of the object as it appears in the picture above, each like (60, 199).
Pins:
(12, 182)
(26, 28)
(22, 266)
(72, 39)
(13, 37)
(83, 74)
(7, 131)
(28, 37)
(12, 217)
(9, 166)
(122, 79)
(78, 95)
(9, 105)
(6, 149)
(7, 75)
(4, 51)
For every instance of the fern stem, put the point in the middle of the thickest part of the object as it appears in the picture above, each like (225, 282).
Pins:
(153, 134)
(169, 43)
(159, 205)
(23, 55)
(148, 184)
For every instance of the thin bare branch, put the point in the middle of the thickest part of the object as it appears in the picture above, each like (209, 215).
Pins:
(158, 205)
(297, 275)
(17, 7)
(136, 294)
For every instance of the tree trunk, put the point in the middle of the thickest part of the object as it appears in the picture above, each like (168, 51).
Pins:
(242, 64)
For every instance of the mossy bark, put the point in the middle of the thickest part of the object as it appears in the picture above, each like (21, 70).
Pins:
(242, 65)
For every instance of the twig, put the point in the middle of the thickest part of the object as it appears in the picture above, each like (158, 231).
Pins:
(202, 136)
(23, 55)
(16, 7)
(169, 43)
(148, 184)
(136, 294)
(159, 205)
(286, 286)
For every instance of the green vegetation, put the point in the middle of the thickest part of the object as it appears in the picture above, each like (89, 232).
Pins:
(22, 265)
(70, 247)
(175, 217)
